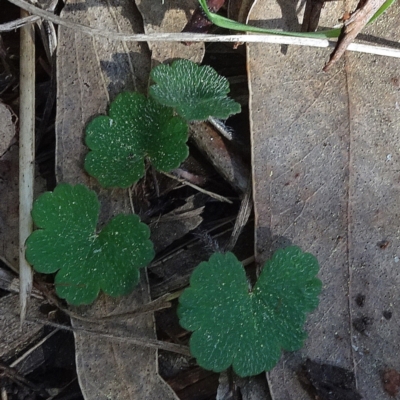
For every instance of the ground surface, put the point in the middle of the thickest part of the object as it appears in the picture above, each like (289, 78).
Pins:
(325, 159)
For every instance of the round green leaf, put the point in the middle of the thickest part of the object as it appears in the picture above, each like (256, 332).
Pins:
(86, 261)
(196, 92)
(135, 128)
(247, 329)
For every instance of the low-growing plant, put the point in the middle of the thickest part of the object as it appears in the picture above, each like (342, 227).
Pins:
(195, 92)
(242, 328)
(139, 128)
(86, 261)
(135, 128)
(231, 324)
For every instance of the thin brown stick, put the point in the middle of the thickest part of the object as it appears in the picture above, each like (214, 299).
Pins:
(159, 304)
(32, 349)
(192, 242)
(19, 23)
(211, 194)
(12, 374)
(352, 27)
(139, 341)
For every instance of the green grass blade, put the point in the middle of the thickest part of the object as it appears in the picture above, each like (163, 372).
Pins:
(237, 26)
(381, 10)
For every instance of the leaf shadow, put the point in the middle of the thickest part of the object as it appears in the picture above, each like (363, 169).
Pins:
(270, 244)
(156, 12)
(121, 73)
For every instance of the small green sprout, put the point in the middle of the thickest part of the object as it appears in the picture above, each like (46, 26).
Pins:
(247, 329)
(136, 128)
(139, 128)
(86, 261)
(195, 92)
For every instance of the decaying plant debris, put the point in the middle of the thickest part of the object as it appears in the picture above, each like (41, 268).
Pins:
(204, 223)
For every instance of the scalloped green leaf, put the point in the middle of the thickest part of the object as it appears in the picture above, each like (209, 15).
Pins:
(247, 329)
(136, 128)
(86, 261)
(196, 92)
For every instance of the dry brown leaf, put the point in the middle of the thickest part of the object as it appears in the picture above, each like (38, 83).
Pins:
(169, 16)
(7, 128)
(9, 206)
(325, 168)
(14, 337)
(222, 155)
(177, 223)
(8, 190)
(9, 282)
(90, 74)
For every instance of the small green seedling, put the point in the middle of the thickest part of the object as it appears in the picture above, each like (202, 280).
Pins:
(86, 261)
(139, 128)
(233, 326)
(136, 128)
(196, 93)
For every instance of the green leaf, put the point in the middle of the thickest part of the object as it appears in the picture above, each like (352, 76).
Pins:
(195, 92)
(381, 10)
(86, 261)
(135, 128)
(247, 329)
(227, 23)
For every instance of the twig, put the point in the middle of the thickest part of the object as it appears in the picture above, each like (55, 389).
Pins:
(155, 305)
(248, 261)
(221, 127)
(19, 23)
(32, 349)
(12, 374)
(191, 37)
(9, 264)
(352, 27)
(159, 304)
(26, 157)
(243, 216)
(211, 194)
(192, 242)
(139, 341)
